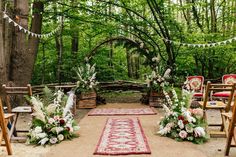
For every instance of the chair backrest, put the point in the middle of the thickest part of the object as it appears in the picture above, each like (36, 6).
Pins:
(232, 130)
(229, 78)
(211, 88)
(4, 130)
(195, 83)
(15, 91)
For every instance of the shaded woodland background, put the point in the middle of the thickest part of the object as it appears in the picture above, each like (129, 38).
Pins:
(121, 36)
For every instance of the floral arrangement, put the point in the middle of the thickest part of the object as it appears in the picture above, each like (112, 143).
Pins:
(181, 122)
(53, 121)
(156, 82)
(86, 77)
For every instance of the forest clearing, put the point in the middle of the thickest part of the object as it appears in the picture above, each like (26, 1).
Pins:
(117, 77)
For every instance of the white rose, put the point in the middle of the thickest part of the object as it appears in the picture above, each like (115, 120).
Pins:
(199, 132)
(38, 129)
(189, 117)
(60, 137)
(183, 134)
(53, 140)
(164, 131)
(180, 124)
(59, 129)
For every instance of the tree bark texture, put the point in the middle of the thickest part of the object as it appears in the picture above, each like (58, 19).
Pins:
(3, 70)
(33, 45)
(19, 62)
(17, 50)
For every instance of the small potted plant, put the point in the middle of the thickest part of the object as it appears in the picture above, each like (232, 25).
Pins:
(86, 86)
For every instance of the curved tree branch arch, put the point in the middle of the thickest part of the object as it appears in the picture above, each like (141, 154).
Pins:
(138, 44)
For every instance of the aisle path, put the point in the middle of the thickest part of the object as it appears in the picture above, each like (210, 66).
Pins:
(91, 129)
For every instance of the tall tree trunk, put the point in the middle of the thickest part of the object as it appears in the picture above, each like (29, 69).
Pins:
(75, 42)
(129, 65)
(75, 35)
(207, 16)
(19, 59)
(137, 66)
(223, 17)
(3, 67)
(8, 40)
(59, 47)
(36, 27)
(213, 30)
(110, 43)
(234, 15)
(213, 16)
(44, 63)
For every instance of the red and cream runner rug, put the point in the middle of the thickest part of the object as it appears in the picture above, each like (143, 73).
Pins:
(123, 111)
(122, 136)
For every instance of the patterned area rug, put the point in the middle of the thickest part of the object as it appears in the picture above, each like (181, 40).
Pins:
(116, 111)
(122, 136)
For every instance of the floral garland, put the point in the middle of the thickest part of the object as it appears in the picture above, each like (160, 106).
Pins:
(181, 122)
(53, 121)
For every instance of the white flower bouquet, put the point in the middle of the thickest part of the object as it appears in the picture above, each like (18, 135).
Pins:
(86, 77)
(181, 122)
(52, 121)
(156, 82)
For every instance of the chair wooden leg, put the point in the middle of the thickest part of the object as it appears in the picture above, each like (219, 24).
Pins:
(228, 144)
(222, 121)
(6, 138)
(226, 126)
(13, 128)
(205, 117)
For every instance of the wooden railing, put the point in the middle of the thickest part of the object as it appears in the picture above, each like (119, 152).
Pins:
(108, 86)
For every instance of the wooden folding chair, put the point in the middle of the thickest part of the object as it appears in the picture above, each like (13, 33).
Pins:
(231, 130)
(208, 104)
(13, 107)
(4, 120)
(195, 83)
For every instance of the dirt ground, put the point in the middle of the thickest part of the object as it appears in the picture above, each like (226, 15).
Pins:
(91, 129)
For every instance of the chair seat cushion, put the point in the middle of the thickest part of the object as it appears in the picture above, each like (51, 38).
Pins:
(25, 109)
(222, 94)
(215, 105)
(198, 94)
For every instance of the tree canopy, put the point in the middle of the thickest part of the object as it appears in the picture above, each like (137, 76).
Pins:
(123, 37)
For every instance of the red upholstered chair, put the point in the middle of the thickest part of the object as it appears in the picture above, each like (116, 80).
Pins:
(195, 83)
(226, 79)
